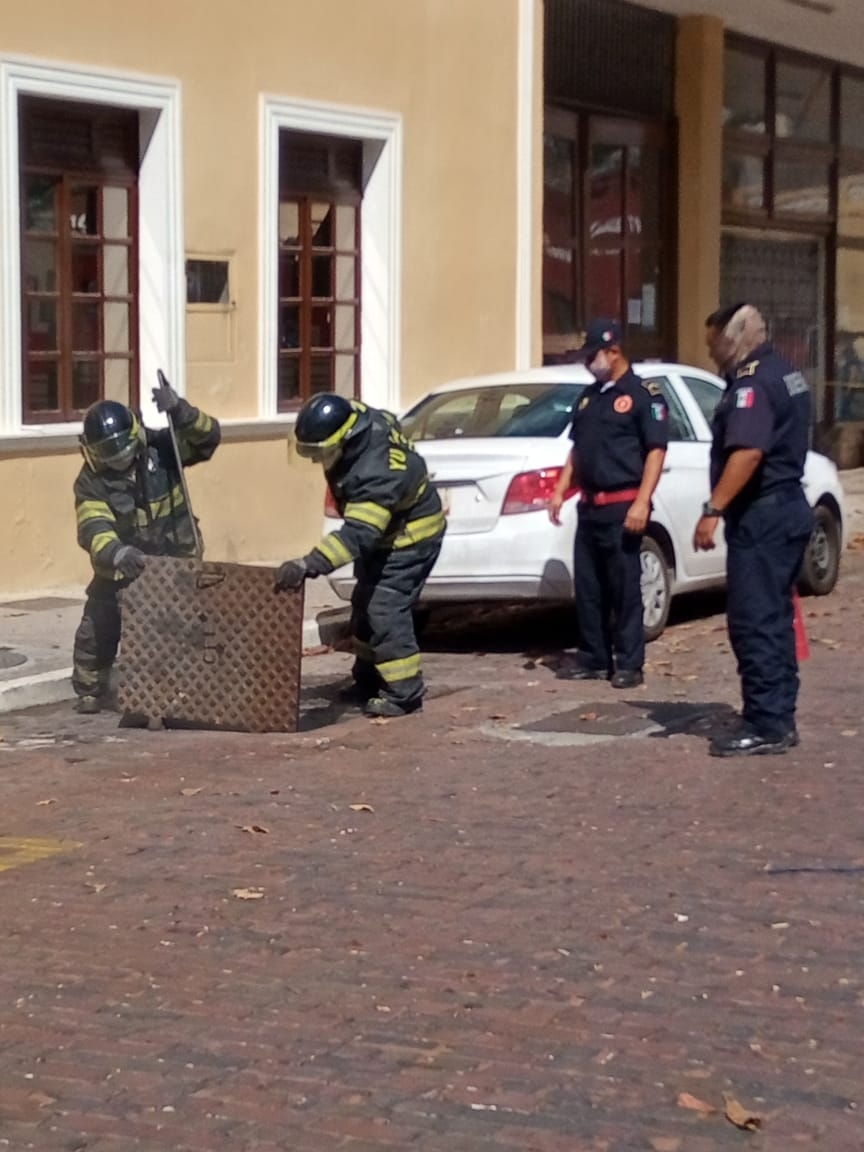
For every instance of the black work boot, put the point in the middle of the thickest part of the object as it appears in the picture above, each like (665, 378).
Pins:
(88, 705)
(356, 693)
(388, 707)
(748, 742)
(627, 678)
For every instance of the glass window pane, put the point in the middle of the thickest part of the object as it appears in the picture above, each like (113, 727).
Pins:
(346, 278)
(85, 268)
(743, 182)
(289, 224)
(852, 112)
(322, 329)
(289, 326)
(40, 266)
(803, 102)
(42, 326)
(115, 259)
(117, 380)
(850, 199)
(706, 395)
(43, 394)
(116, 326)
(801, 187)
(40, 204)
(345, 373)
(344, 333)
(604, 288)
(346, 226)
(289, 274)
(849, 344)
(321, 374)
(321, 221)
(115, 213)
(84, 211)
(86, 383)
(86, 328)
(559, 227)
(322, 276)
(744, 91)
(288, 381)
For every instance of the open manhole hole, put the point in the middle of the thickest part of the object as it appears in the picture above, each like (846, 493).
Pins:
(9, 658)
(594, 718)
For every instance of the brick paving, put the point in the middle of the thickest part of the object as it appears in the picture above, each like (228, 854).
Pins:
(524, 945)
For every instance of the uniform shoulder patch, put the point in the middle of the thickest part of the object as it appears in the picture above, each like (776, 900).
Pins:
(652, 387)
(796, 383)
(745, 398)
(748, 369)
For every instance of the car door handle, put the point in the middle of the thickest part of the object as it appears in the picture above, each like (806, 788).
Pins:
(667, 467)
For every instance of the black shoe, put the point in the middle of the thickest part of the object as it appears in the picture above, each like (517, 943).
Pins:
(748, 742)
(580, 672)
(385, 706)
(627, 678)
(88, 705)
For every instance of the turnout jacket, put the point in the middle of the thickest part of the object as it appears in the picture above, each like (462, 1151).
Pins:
(145, 506)
(382, 491)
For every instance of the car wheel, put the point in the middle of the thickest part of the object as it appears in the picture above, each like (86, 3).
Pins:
(821, 565)
(656, 588)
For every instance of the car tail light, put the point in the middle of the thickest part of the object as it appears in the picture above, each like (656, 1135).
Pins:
(532, 491)
(330, 508)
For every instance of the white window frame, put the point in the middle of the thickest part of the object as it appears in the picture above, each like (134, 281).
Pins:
(380, 242)
(162, 283)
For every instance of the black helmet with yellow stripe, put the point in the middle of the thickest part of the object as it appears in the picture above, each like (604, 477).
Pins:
(112, 437)
(323, 425)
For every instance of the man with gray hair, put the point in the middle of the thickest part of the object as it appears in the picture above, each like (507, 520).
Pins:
(761, 432)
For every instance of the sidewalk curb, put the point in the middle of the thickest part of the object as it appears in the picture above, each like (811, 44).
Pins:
(328, 628)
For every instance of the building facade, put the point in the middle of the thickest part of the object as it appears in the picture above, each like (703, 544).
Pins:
(374, 197)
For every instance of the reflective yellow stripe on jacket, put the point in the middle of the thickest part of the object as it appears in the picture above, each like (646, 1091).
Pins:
(334, 550)
(416, 531)
(366, 512)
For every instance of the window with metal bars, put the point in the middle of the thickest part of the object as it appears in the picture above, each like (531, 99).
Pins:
(79, 257)
(320, 181)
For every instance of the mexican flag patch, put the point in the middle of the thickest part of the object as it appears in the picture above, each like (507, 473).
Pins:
(745, 398)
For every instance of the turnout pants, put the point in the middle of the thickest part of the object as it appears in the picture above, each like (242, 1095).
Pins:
(387, 656)
(765, 548)
(97, 638)
(607, 574)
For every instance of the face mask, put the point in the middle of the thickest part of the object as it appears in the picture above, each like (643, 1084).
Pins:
(600, 368)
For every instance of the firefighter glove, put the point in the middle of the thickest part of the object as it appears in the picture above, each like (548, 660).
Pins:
(129, 561)
(165, 398)
(291, 574)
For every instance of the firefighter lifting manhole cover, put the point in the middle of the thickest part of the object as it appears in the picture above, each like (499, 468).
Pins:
(594, 718)
(9, 658)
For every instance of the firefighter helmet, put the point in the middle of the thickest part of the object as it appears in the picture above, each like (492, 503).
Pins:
(323, 425)
(112, 436)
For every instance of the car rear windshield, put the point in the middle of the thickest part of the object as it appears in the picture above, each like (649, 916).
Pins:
(501, 410)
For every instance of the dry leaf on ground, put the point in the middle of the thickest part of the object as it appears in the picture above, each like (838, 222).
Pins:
(253, 828)
(588, 716)
(740, 1116)
(50, 800)
(190, 791)
(380, 720)
(361, 807)
(685, 1100)
(248, 893)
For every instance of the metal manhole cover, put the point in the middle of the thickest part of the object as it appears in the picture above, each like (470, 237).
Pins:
(41, 604)
(211, 646)
(9, 658)
(594, 718)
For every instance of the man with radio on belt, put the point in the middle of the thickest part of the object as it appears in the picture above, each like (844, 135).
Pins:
(620, 432)
(761, 433)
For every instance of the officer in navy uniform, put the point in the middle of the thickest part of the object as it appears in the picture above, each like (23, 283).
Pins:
(393, 525)
(620, 432)
(761, 432)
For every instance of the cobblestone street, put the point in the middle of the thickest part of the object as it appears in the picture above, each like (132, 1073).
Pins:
(535, 917)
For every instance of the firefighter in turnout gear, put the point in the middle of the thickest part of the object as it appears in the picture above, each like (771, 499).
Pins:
(129, 504)
(392, 531)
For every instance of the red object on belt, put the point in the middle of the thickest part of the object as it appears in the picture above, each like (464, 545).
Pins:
(599, 499)
(802, 647)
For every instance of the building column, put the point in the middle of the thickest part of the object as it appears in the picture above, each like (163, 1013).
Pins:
(699, 106)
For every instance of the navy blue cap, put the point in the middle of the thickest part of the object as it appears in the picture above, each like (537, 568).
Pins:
(601, 334)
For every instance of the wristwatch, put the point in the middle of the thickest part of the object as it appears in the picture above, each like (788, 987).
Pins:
(708, 509)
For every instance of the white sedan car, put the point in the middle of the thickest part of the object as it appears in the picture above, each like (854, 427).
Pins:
(495, 447)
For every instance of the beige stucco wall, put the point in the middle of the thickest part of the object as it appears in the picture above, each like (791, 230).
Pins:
(449, 68)
(699, 104)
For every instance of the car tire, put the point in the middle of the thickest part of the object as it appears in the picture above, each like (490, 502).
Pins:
(656, 588)
(821, 565)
